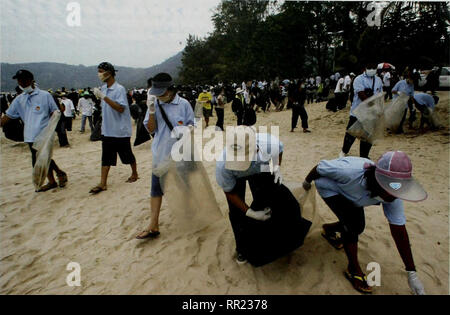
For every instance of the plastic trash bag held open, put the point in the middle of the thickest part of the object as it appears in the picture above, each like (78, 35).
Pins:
(370, 124)
(186, 183)
(43, 144)
(394, 111)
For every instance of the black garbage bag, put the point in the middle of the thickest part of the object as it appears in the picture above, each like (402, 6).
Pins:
(96, 134)
(142, 134)
(14, 130)
(135, 111)
(249, 116)
(264, 242)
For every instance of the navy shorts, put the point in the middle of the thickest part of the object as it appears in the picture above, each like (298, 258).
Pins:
(156, 190)
(113, 146)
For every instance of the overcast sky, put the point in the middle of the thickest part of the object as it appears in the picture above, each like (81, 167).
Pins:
(135, 33)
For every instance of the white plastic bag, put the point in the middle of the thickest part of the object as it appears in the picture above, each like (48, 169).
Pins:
(306, 199)
(43, 144)
(394, 111)
(370, 124)
(198, 111)
(191, 198)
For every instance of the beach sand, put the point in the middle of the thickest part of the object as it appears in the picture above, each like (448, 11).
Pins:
(42, 232)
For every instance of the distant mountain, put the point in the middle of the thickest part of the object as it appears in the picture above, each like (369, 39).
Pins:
(56, 75)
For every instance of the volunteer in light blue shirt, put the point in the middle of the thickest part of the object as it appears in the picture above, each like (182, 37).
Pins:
(426, 103)
(365, 85)
(349, 184)
(116, 126)
(163, 99)
(242, 161)
(406, 86)
(35, 107)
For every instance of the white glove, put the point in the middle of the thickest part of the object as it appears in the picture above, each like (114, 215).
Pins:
(415, 284)
(151, 104)
(259, 215)
(306, 185)
(98, 93)
(277, 174)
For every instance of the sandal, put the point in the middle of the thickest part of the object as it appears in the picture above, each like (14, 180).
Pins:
(358, 282)
(96, 190)
(149, 234)
(333, 239)
(132, 179)
(47, 187)
(62, 179)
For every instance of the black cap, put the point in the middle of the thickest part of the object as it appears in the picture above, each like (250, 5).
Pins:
(23, 74)
(107, 67)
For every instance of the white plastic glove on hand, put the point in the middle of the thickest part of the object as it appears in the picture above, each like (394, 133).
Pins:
(259, 215)
(151, 99)
(415, 284)
(98, 93)
(306, 185)
(277, 174)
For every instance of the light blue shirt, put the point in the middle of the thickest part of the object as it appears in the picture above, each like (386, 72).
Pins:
(404, 87)
(180, 113)
(115, 124)
(424, 99)
(345, 176)
(35, 110)
(361, 83)
(269, 147)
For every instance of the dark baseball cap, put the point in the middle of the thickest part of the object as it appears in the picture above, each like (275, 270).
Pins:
(23, 74)
(160, 83)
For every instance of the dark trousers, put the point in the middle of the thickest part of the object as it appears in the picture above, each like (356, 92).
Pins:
(240, 117)
(364, 147)
(220, 114)
(61, 132)
(68, 123)
(351, 218)
(388, 94)
(299, 111)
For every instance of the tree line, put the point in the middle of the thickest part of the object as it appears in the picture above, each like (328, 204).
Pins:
(264, 39)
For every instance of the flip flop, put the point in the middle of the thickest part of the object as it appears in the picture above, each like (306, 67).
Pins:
(150, 234)
(47, 187)
(62, 179)
(334, 241)
(355, 279)
(96, 190)
(132, 180)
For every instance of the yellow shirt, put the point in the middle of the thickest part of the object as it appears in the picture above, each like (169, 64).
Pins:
(205, 98)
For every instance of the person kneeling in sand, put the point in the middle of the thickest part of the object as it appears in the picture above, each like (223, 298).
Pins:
(240, 162)
(349, 184)
(116, 126)
(34, 107)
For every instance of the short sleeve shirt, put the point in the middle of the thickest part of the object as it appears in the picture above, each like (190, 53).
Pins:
(115, 124)
(345, 176)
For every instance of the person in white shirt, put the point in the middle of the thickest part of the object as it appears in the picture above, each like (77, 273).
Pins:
(339, 94)
(86, 106)
(69, 110)
(387, 85)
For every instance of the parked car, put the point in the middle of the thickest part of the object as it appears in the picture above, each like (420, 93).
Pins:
(444, 78)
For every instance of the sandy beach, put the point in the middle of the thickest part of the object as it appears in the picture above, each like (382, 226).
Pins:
(42, 232)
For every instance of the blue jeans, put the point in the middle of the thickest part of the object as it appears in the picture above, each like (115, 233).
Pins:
(83, 122)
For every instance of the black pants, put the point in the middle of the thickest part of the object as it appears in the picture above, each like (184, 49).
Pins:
(364, 147)
(68, 123)
(52, 167)
(296, 111)
(240, 117)
(411, 119)
(388, 94)
(61, 132)
(351, 218)
(220, 114)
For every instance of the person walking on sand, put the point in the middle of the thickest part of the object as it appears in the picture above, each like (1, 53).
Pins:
(34, 107)
(163, 114)
(116, 126)
(349, 184)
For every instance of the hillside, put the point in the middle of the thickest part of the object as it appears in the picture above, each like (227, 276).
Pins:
(56, 75)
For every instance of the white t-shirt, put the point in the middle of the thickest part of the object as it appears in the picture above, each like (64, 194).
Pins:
(69, 107)
(347, 82)
(387, 79)
(339, 86)
(85, 106)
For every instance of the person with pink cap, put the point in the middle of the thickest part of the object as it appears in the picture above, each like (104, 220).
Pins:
(349, 184)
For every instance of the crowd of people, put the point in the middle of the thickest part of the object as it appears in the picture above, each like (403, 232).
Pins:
(346, 184)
